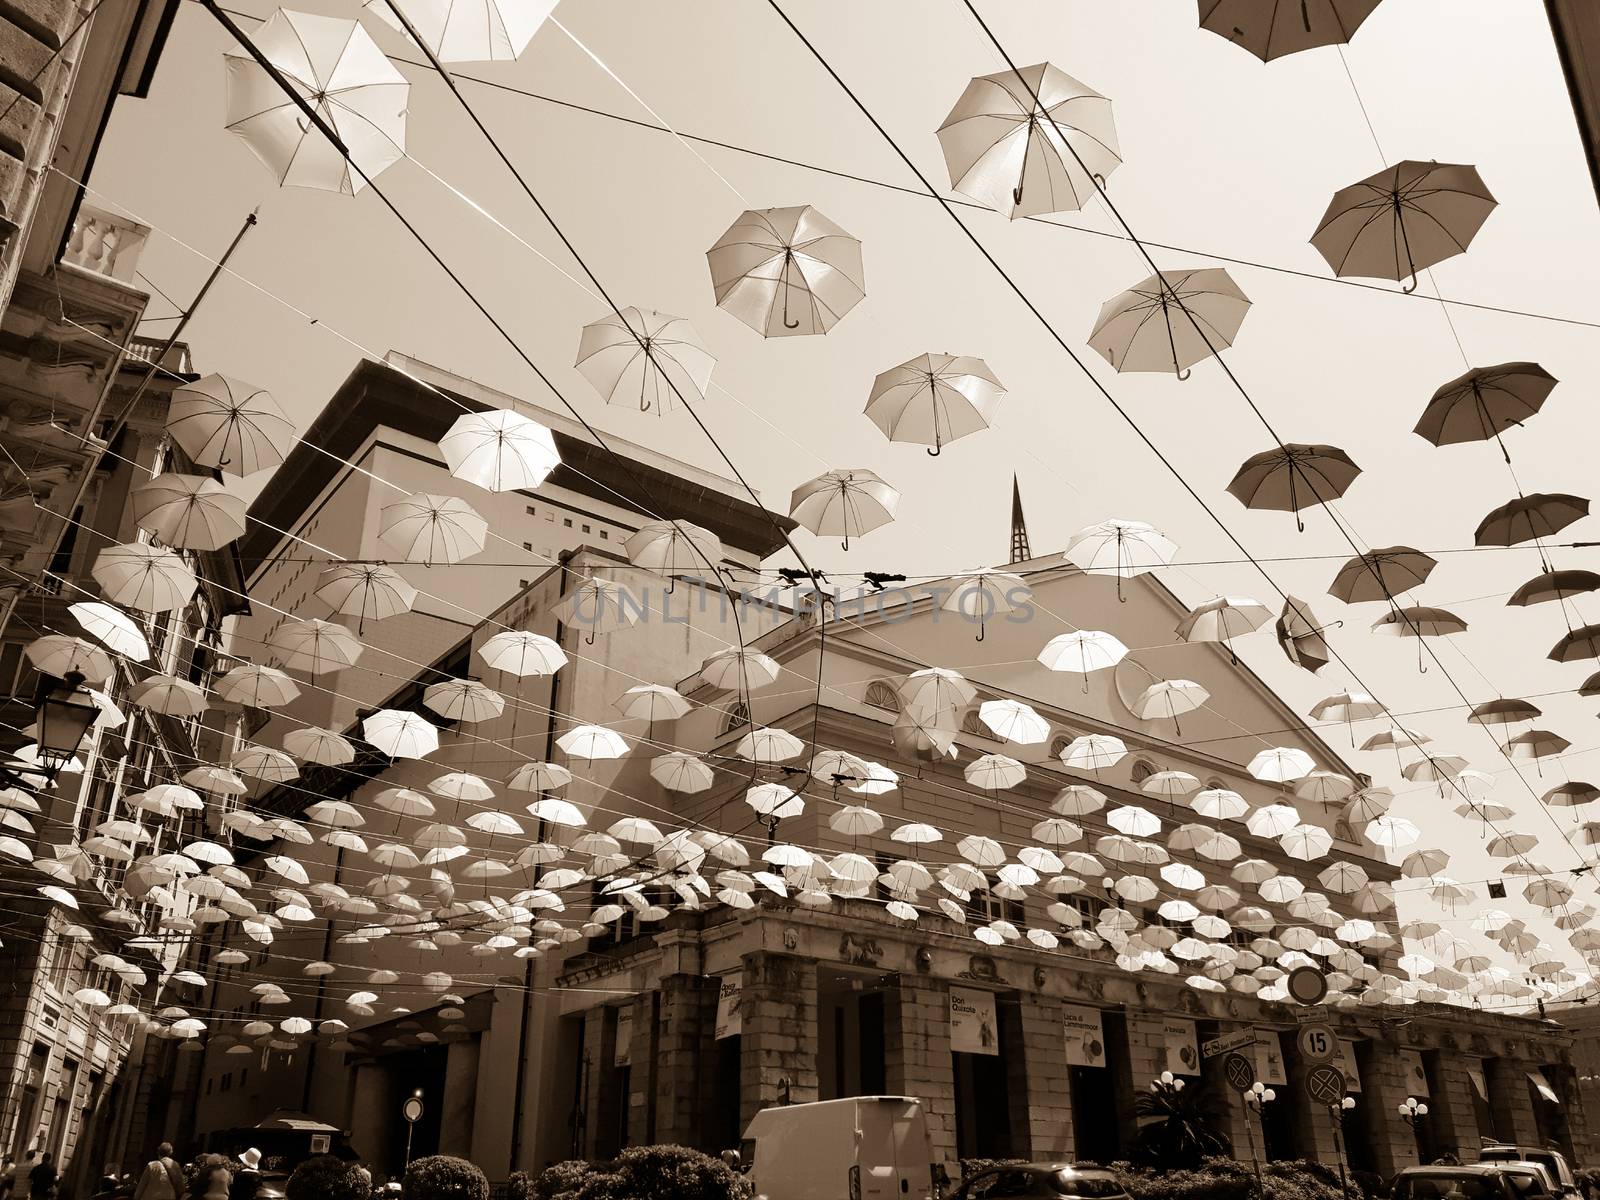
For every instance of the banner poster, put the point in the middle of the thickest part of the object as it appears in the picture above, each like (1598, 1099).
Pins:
(973, 1027)
(1086, 1038)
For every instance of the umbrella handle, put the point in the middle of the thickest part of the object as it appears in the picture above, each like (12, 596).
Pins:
(934, 453)
(1016, 194)
(1412, 286)
(979, 638)
(1185, 373)
(788, 324)
(589, 641)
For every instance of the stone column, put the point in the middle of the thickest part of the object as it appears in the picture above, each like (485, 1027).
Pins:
(778, 1032)
(460, 1095)
(1040, 1050)
(1313, 1122)
(642, 1066)
(1383, 1089)
(1509, 1101)
(599, 1047)
(1574, 1126)
(1134, 1064)
(1235, 1123)
(684, 1027)
(917, 1057)
(1450, 1107)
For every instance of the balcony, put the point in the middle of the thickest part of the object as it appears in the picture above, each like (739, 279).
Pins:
(106, 244)
(146, 350)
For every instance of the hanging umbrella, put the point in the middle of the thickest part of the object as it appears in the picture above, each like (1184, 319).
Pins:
(592, 742)
(986, 594)
(786, 271)
(365, 590)
(1381, 574)
(316, 745)
(769, 746)
(739, 669)
(1555, 585)
(601, 606)
(428, 529)
(1581, 643)
(520, 653)
(337, 68)
(264, 763)
(400, 734)
(680, 772)
(463, 700)
(1419, 621)
(58, 655)
(491, 31)
(1301, 635)
(1029, 141)
(1092, 752)
(1270, 29)
(652, 702)
(934, 399)
(112, 628)
(225, 423)
(1169, 699)
(1484, 403)
(644, 358)
(1082, 652)
(1220, 804)
(1327, 788)
(499, 450)
(1403, 220)
(1293, 476)
(1223, 619)
(146, 578)
(256, 687)
(192, 512)
(315, 646)
(1120, 548)
(935, 690)
(674, 548)
(1170, 321)
(1503, 712)
(1571, 795)
(1281, 764)
(844, 503)
(995, 772)
(1530, 517)
(1014, 721)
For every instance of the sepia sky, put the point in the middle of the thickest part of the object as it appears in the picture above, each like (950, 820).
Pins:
(1222, 156)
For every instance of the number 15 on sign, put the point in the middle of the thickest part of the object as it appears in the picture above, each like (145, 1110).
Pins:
(1317, 1043)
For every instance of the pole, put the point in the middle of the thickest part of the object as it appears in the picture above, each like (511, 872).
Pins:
(1337, 1112)
(125, 413)
(1250, 1132)
(411, 1127)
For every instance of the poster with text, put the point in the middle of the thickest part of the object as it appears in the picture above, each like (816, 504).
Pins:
(973, 1027)
(1269, 1059)
(1345, 1059)
(1086, 1037)
(1183, 1046)
(1416, 1074)
(624, 1045)
(729, 1022)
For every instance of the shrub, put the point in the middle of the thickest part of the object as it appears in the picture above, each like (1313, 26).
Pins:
(1227, 1179)
(442, 1177)
(971, 1166)
(561, 1180)
(328, 1177)
(1373, 1186)
(643, 1173)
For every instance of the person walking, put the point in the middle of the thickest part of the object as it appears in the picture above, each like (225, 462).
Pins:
(248, 1178)
(42, 1179)
(162, 1178)
(22, 1182)
(215, 1179)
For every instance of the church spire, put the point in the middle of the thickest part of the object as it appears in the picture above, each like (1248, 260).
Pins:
(1019, 529)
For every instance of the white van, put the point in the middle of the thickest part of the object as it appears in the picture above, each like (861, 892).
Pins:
(861, 1148)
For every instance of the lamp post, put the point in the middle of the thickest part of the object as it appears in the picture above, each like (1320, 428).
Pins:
(1337, 1111)
(1255, 1101)
(1411, 1112)
(66, 713)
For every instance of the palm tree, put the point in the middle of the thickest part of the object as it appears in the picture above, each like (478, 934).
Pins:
(1178, 1126)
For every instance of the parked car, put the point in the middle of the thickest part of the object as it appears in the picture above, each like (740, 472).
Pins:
(1481, 1181)
(861, 1148)
(1553, 1161)
(1040, 1181)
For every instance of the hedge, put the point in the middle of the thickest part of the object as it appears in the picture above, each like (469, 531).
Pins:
(1215, 1179)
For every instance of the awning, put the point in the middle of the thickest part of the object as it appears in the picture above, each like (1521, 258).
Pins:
(1543, 1086)
(1478, 1083)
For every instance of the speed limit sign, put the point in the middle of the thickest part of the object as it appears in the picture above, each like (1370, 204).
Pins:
(1317, 1043)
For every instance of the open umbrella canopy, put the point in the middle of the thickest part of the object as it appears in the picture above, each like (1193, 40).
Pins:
(483, 31)
(315, 646)
(1419, 621)
(680, 772)
(1082, 652)
(463, 700)
(1580, 643)
(644, 359)
(1293, 476)
(1270, 29)
(1555, 585)
(59, 655)
(1300, 635)
(428, 529)
(143, 577)
(1120, 548)
(112, 628)
(316, 745)
(1527, 518)
(192, 512)
(256, 687)
(400, 734)
(786, 271)
(674, 548)
(228, 424)
(1029, 141)
(336, 67)
(1381, 574)
(499, 450)
(1223, 619)
(1403, 220)
(518, 652)
(1484, 402)
(1170, 321)
(169, 695)
(366, 591)
(934, 399)
(845, 503)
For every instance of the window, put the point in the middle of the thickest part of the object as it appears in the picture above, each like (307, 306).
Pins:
(1089, 908)
(1059, 744)
(986, 906)
(881, 694)
(971, 724)
(586, 529)
(532, 512)
(738, 716)
(567, 521)
(244, 1073)
(1142, 770)
(551, 517)
(605, 535)
(227, 1082)
(527, 545)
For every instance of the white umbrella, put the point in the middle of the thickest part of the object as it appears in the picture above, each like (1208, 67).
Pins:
(680, 772)
(427, 529)
(652, 702)
(315, 646)
(1170, 321)
(264, 763)
(739, 669)
(1120, 548)
(592, 742)
(769, 746)
(786, 271)
(1082, 652)
(1220, 804)
(844, 503)
(193, 512)
(674, 548)
(111, 628)
(934, 399)
(985, 595)
(60, 655)
(315, 745)
(1029, 141)
(484, 31)
(601, 606)
(1274, 820)
(520, 653)
(500, 450)
(463, 700)
(1092, 751)
(1169, 699)
(1306, 842)
(644, 358)
(539, 777)
(340, 72)
(226, 423)
(1014, 721)
(1222, 619)
(143, 577)
(365, 591)
(1281, 764)
(256, 687)
(994, 772)
(400, 734)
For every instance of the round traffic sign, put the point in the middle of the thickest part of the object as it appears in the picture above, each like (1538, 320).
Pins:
(412, 1109)
(1325, 1086)
(1239, 1071)
(1307, 985)
(1317, 1043)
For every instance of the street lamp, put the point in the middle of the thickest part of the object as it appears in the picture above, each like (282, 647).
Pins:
(1255, 1099)
(1168, 1080)
(1412, 1111)
(65, 716)
(1337, 1111)
(1258, 1096)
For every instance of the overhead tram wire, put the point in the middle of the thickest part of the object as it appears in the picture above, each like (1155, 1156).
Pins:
(1077, 360)
(1215, 352)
